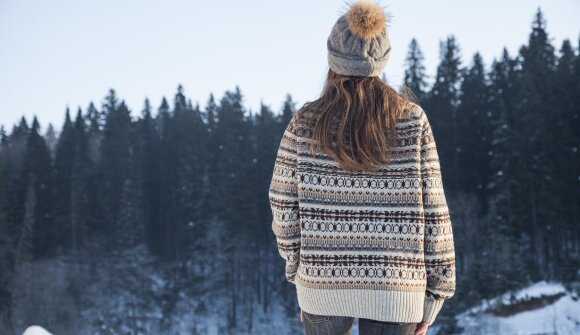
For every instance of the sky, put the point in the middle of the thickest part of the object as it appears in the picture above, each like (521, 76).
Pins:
(55, 54)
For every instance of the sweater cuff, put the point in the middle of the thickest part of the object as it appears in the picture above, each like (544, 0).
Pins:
(431, 309)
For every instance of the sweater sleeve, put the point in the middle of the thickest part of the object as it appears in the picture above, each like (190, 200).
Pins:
(283, 197)
(439, 245)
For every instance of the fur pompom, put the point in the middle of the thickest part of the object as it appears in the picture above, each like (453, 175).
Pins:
(366, 19)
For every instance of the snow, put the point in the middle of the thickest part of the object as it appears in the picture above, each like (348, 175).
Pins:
(541, 288)
(36, 330)
(138, 289)
(560, 317)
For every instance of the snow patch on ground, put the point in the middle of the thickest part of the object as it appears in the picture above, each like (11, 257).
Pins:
(36, 330)
(560, 317)
(539, 289)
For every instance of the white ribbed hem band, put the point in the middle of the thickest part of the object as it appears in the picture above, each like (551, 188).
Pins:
(393, 306)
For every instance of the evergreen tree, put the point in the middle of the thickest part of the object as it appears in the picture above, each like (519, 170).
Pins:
(79, 186)
(94, 131)
(210, 115)
(166, 177)
(503, 180)
(148, 156)
(38, 167)
(288, 110)
(234, 157)
(114, 162)
(192, 173)
(415, 71)
(268, 132)
(162, 116)
(535, 142)
(442, 109)
(93, 173)
(64, 157)
(173, 228)
(51, 138)
(233, 153)
(472, 151)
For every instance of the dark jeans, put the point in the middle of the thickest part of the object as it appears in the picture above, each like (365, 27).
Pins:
(342, 325)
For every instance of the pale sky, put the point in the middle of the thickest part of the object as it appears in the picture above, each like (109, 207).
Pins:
(55, 54)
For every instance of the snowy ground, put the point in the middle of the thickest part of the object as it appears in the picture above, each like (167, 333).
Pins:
(540, 309)
(560, 316)
(36, 330)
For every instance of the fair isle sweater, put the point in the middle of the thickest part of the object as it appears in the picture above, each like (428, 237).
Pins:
(376, 245)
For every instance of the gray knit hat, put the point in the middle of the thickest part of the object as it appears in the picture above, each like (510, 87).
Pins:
(359, 44)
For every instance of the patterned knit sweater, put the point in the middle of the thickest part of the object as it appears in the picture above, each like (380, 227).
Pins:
(376, 245)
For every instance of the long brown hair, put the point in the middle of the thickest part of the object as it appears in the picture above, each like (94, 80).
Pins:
(355, 120)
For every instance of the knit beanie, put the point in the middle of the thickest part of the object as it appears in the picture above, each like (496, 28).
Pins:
(359, 44)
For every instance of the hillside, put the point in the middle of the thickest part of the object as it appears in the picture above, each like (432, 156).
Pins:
(544, 308)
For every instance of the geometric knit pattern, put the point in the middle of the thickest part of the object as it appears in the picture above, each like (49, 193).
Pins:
(371, 244)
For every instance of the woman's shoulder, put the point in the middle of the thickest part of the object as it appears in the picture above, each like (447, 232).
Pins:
(412, 111)
(303, 120)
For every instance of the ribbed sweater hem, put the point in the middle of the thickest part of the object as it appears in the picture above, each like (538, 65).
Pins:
(381, 305)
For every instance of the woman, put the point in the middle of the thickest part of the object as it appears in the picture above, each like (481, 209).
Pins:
(359, 210)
